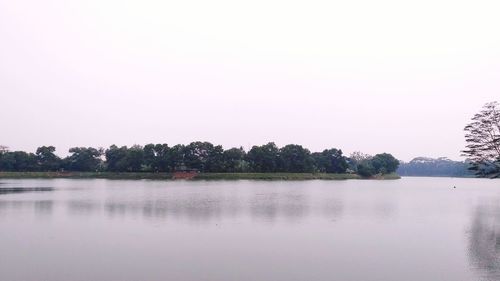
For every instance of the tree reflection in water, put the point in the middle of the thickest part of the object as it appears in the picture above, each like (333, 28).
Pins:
(484, 241)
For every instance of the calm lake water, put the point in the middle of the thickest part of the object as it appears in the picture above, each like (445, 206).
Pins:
(410, 229)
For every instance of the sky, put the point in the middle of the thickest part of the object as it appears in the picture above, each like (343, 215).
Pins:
(395, 76)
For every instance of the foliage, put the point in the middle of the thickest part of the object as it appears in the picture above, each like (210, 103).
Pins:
(46, 158)
(157, 157)
(18, 161)
(234, 160)
(367, 166)
(483, 141)
(366, 169)
(330, 161)
(200, 176)
(295, 159)
(440, 167)
(85, 159)
(384, 163)
(264, 159)
(203, 157)
(176, 155)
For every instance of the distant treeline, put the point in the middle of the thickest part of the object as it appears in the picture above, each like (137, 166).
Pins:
(440, 167)
(200, 156)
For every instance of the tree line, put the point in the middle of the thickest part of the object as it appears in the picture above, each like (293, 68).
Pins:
(430, 167)
(200, 156)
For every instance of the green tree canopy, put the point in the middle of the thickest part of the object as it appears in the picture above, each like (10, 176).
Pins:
(47, 160)
(157, 157)
(264, 159)
(234, 160)
(85, 159)
(330, 161)
(384, 163)
(18, 161)
(294, 158)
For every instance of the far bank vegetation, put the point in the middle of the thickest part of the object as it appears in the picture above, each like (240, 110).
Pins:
(210, 161)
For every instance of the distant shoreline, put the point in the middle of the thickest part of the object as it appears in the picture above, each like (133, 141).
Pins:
(199, 176)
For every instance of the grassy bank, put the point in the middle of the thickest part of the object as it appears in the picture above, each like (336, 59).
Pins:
(201, 176)
(275, 176)
(84, 175)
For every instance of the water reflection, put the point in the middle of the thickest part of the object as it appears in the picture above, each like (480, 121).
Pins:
(272, 205)
(333, 208)
(410, 230)
(290, 202)
(195, 207)
(269, 206)
(39, 207)
(43, 207)
(484, 241)
(7, 190)
(83, 207)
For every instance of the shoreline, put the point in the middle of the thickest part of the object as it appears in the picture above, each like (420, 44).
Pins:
(199, 176)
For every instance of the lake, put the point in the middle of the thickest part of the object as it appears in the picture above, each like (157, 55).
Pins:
(409, 229)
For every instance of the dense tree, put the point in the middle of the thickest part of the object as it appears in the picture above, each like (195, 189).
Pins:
(150, 158)
(264, 159)
(3, 150)
(201, 156)
(116, 158)
(366, 169)
(176, 157)
(441, 167)
(163, 157)
(85, 159)
(356, 159)
(18, 161)
(46, 158)
(483, 141)
(156, 157)
(384, 163)
(330, 161)
(366, 165)
(295, 159)
(135, 158)
(234, 160)
(215, 163)
(125, 159)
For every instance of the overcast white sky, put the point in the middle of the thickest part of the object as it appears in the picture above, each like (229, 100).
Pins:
(375, 76)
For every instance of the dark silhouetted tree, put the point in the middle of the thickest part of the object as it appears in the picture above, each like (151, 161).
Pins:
(84, 159)
(156, 157)
(330, 161)
(176, 157)
(294, 158)
(483, 141)
(116, 158)
(234, 160)
(384, 163)
(18, 161)
(264, 159)
(46, 158)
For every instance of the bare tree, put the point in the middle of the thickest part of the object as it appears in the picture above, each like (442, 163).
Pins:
(483, 141)
(360, 156)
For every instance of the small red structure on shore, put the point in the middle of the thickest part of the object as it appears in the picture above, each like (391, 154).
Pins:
(182, 172)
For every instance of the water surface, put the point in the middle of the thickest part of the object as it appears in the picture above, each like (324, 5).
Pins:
(410, 229)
